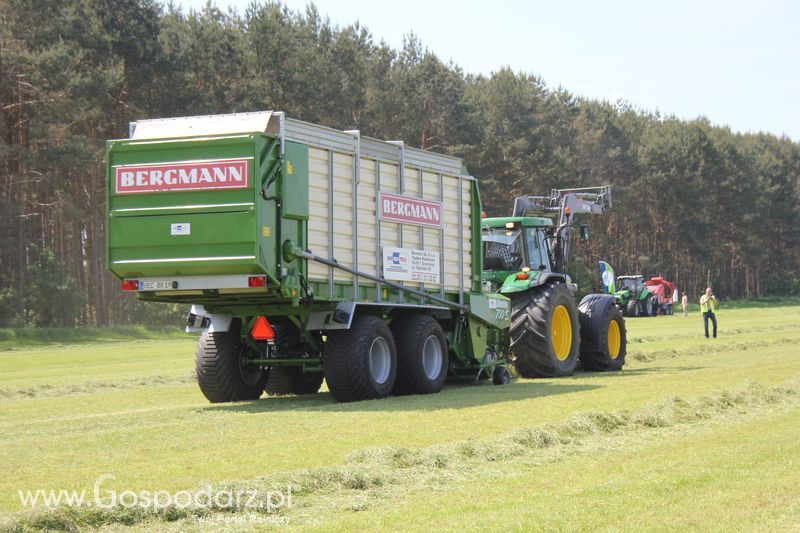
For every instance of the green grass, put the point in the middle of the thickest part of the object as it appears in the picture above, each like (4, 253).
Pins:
(24, 337)
(71, 413)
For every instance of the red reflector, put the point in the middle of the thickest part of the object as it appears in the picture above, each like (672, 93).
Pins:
(262, 331)
(257, 281)
(130, 285)
(522, 275)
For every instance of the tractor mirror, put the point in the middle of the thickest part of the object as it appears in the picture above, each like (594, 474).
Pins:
(584, 229)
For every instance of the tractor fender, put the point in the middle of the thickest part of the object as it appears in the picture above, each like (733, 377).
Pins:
(546, 277)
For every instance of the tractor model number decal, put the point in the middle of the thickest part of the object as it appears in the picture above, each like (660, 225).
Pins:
(501, 308)
(182, 176)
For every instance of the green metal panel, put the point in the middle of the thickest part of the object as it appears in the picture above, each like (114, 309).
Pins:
(295, 182)
(220, 234)
(475, 237)
(490, 308)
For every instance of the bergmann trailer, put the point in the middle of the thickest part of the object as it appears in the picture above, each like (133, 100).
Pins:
(305, 252)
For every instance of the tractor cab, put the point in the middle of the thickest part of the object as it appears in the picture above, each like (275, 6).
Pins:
(515, 251)
(633, 284)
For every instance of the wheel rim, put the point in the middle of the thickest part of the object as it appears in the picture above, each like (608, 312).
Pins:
(380, 360)
(432, 357)
(614, 339)
(561, 329)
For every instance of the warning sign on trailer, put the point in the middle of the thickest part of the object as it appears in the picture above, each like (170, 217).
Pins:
(405, 264)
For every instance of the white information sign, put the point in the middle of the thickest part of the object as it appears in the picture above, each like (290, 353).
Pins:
(405, 264)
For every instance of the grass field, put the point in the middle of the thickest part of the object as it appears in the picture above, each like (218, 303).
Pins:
(694, 433)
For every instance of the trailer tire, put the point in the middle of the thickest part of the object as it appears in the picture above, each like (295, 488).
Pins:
(545, 333)
(603, 334)
(292, 380)
(219, 373)
(361, 363)
(422, 360)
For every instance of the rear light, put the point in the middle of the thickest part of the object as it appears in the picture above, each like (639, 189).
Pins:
(130, 285)
(257, 281)
(262, 331)
(523, 275)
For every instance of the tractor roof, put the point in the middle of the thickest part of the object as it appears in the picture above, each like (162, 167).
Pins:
(526, 222)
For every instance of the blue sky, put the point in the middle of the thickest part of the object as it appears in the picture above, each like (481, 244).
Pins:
(736, 63)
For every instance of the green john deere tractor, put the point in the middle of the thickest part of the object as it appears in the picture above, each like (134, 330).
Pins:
(524, 259)
(633, 298)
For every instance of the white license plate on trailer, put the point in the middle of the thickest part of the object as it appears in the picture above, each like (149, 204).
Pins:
(161, 285)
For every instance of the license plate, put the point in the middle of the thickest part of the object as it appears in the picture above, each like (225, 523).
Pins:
(156, 285)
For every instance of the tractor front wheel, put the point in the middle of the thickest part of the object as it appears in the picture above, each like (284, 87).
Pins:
(545, 334)
(647, 307)
(603, 334)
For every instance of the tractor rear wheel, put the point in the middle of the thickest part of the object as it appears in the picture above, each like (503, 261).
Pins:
(603, 334)
(545, 334)
(292, 380)
(361, 363)
(220, 371)
(633, 307)
(421, 355)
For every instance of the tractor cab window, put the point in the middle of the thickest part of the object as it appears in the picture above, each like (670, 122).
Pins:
(538, 249)
(631, 284)
(502, 251)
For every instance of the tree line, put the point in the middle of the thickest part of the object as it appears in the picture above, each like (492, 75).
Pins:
(694, 202)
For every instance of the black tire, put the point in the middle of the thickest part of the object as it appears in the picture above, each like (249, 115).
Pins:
(656, 306)
(647, 307)
(219, 373)
(532, 331)
(500, 376)
(348, 371)
(603, 334)
(422, 359)
(292, 380)
(633, 307)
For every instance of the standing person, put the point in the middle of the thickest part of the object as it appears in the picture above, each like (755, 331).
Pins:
(708, 306)
(685, 304)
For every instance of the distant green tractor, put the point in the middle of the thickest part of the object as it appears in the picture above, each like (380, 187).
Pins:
(634, 298)
(524, 258)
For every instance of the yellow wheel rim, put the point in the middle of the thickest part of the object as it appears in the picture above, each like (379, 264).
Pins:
(614, 339)
(561, 329)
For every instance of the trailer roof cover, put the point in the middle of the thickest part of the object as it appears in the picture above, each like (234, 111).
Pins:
(163, 128)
